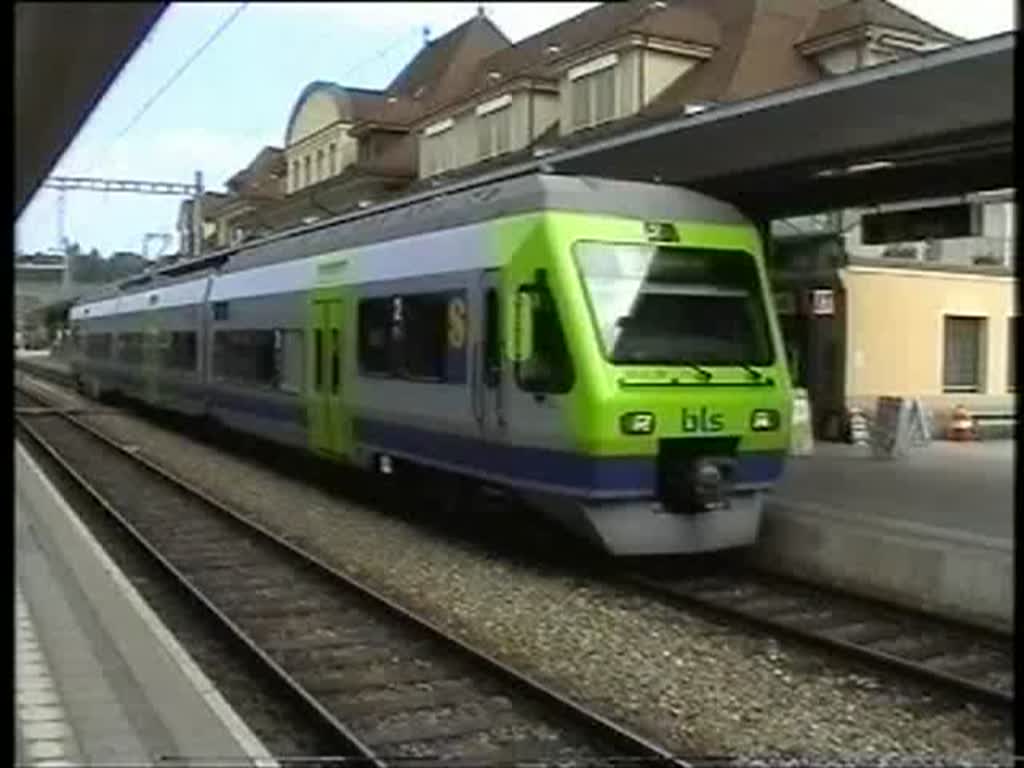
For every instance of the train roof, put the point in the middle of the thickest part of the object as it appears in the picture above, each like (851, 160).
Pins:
(467, 203)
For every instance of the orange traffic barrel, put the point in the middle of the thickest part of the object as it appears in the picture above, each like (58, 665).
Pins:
(961, 425)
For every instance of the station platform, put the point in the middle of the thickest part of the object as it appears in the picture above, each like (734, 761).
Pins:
(933, 530)
(99, 679)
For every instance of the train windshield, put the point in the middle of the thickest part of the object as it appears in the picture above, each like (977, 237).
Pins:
(658, 305)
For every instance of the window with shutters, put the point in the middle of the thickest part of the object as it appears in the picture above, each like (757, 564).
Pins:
(494, 132)
(593, 98)
(439, 152)
(963, 358)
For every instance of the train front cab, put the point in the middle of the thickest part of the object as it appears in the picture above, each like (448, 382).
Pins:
(655, 349)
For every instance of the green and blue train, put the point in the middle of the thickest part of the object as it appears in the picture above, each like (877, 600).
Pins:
(605, 351)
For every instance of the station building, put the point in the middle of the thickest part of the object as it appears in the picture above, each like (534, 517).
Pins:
(925, 318)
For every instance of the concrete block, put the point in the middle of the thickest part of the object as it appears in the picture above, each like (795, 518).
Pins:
(962, 576)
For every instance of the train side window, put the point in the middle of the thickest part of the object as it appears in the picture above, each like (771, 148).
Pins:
(179, 352)
(318, 360)
(375, 336)
(549, 369)
(130, 348)
(335, 361)
(425, 339)
(247, 357)
(98, 345)
(290, 360)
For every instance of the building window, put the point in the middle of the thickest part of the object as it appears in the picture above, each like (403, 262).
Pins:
(440, 153)
(419, 337)
(320, 165)
(963, 359)
(494, 132)
(295, 175)
(334, 159)
(1011, 354)
(307, 163)
(593, 98)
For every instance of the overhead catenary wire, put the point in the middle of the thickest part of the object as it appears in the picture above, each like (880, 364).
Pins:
(148, 104)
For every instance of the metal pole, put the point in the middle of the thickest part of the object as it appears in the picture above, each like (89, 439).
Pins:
(197, 217)
(61, 239)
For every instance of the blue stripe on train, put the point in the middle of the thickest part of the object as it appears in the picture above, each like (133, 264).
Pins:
(561, 471)
(605, 477)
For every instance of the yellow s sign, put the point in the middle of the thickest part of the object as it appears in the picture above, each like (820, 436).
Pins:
(457, 323)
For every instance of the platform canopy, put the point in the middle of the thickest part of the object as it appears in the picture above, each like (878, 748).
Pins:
(933, 125)
(66, 56)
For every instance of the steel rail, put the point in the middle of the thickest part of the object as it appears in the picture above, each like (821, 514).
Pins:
(637, 747)
(678, 592)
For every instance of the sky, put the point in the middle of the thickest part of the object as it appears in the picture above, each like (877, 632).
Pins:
(235, 97)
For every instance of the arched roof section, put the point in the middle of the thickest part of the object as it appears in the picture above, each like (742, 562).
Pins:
(322, 103)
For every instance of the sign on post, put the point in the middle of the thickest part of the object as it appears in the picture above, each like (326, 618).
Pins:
(920, 429)
(899, 424)
(823, 302)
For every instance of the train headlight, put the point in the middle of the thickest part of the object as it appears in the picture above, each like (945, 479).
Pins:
(637, 423)
(764, 420)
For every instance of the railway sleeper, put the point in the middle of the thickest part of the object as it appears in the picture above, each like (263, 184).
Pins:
(342, 657)
(297, 641)
(446, 726)
(260, 610)
(410, 699)
(376, 677)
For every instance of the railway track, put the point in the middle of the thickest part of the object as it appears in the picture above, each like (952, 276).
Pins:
(966, 660)
(388, 686)
(971, 662)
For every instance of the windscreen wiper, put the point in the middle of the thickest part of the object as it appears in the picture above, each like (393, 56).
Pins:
(756, 374)
(704, 372)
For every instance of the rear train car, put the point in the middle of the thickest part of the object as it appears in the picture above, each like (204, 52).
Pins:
(606, 351)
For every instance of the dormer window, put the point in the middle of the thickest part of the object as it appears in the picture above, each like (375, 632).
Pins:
(494, 127)
(438, 147)
(592, 92)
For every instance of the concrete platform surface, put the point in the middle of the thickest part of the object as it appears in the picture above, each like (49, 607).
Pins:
(99, 680)
(932, 531)
(965, 487)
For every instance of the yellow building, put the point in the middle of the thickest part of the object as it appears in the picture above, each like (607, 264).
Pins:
(932, 319)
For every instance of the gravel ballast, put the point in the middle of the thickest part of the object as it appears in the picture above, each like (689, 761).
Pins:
(695, 686)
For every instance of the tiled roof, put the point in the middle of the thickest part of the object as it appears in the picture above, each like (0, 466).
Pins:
(263, 177)
(537, 55)
(440, 68)
(757, 55)
(855, 14)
